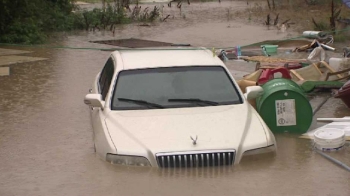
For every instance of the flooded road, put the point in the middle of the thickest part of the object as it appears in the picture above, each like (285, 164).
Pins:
(46, 145)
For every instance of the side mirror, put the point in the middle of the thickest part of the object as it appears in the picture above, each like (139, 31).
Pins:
(253, 92)
(94, 100)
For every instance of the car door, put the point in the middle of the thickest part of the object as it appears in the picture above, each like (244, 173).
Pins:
(101, 136)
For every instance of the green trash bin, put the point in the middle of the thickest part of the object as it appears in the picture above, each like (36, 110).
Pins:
(284, 107)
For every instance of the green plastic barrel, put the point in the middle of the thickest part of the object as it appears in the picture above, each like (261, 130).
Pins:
(269, 49)
(284, 107)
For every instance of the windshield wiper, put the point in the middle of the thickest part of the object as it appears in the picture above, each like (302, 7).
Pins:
(141, 102)
(195, 101)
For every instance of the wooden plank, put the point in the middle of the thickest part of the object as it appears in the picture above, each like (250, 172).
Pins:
(310, 73)
(294, 73)
(316, 67)
(311, 138)
(265, 59)
(333, 124)
(339, 72)
(329, 68)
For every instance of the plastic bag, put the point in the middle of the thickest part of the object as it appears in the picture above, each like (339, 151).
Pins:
(317, 54)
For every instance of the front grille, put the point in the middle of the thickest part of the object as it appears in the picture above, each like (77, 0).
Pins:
(196, 159)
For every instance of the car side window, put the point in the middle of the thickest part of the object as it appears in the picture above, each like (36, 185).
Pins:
(106, 78)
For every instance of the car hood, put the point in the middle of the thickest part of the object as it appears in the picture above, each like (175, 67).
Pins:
(170, 130)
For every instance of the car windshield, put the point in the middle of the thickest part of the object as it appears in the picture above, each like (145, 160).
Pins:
(174, 87)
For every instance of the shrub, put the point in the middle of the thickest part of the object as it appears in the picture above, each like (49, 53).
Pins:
(28, 21)
(23, 32)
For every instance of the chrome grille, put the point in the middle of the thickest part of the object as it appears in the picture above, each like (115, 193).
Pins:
(196, 159)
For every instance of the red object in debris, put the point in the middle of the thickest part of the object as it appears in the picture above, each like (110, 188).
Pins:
(293, 65)
(344, 94)
(268, 74)
(289, 65)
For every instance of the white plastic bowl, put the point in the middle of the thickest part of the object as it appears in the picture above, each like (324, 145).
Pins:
(329, 139)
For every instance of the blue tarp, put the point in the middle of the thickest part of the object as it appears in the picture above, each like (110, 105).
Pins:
(347, 3)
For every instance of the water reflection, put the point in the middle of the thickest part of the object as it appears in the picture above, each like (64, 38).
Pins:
(201, 172)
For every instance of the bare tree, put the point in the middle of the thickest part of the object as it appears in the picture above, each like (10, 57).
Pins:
(103, 5)
(268, 4)
(334, 16)
(276, 20)
(268, 21)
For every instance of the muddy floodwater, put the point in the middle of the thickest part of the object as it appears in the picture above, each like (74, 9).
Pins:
(46, 145)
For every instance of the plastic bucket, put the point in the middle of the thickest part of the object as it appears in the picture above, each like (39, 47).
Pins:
(269, 49)
(339, 64)
(329, 139)
(284, 107)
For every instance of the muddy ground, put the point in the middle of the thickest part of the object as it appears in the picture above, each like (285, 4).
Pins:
(46, 145)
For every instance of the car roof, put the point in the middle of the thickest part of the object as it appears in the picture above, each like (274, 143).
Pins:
(166, 57)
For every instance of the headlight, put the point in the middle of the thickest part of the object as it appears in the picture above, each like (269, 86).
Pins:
(127, 160)
(263, 150)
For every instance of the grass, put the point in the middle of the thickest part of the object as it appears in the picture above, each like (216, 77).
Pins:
(91, 1)
(298, 12)
(340, 38)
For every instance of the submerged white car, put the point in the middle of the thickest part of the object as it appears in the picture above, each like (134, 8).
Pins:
(173, 108)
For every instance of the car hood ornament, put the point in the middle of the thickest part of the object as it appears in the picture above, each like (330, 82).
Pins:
(194, 140)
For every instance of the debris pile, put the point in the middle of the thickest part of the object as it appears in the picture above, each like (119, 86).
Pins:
(287, 81)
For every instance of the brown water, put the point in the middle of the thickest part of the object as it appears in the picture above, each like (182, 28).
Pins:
(46, 145)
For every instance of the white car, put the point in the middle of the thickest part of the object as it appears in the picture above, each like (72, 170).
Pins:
(173, 108)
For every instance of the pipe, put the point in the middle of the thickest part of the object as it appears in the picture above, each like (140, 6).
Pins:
(312, 34)
(345, 119)
(333, 160)
(328, 47)
(321, 104)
